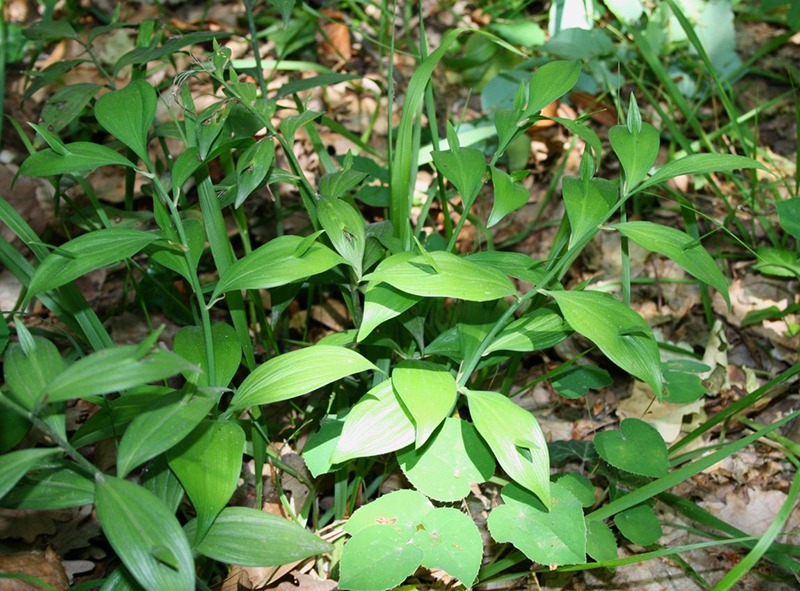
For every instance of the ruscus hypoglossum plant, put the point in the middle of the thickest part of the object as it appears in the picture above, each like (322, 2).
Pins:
(403, 387)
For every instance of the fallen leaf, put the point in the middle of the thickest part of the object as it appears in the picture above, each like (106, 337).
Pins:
(667, 418)
(42, 565)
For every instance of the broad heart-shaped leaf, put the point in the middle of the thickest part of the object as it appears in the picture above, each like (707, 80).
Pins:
(464, 167)
(249, 537)
(541, 329)
(189, 343)
(637, 448)
(128, 113)
(145, 535)
(553, 537)
(377, 559)
(113, 370)
(15, 464)
(550, 82)
(588, 202)
(208, 463)
(449, 540)
(252, 168)
(296, 373)
(681, 248)
(82, 157)
(636, 151)
(601, 544)
(509, 195)
(383, 302)
(27, 375)
(443, 274)
(428, 391)
(156, 430)
(453, 457)
(516, 439)
(639, 524)
(60, 486)
(276, 263)
(401, 511)
(699, 164)
(376, 425)
(789, 215)
(620, 333)
(86, 253)
(345, 228)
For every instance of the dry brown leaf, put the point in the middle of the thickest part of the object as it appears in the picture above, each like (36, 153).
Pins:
(667, 418)
(28, 524)
(307, 582)
(42, 565)
(334, 47)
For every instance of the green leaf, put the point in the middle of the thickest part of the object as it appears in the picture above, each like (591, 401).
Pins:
(276, 263)
(335, 185)
(377, 559)
(171, 255)
(580, 487)
(428, 392)
(560, 531)
(127, 115)
(620, 333)
(138, 525)
(453, 457)
(464, 168)
(699, 164)
(789, 215)
(86, 253)
(60, 486)
(15, 464)
(639, 524)
(682, 380)
(45, 30)
(13, 428)
(65, 105)
(576, 380)
(509, 196)
(637, 448)
(81, 157)
(285, 7)
(114, 369)
(401, 511)
(636, 152)
(249, 537)
(601, 544)
(141, 55)
(320, 446)
(185, 166)
(345, 228)
(208, 463)
(681, 248)
(550, 82)
(516, 439)
(289, 375)
(588, 202)
(449, 540)
(27, 375)
(452, 277)
(252, 168)
(383, 302)
(377, 424)
(162, 482)
(156, 430)
(777, 262)
(189, 343)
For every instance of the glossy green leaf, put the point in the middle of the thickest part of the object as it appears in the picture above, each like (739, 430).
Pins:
(59, 486)
(345, 229)
(401, 511)
(139, 528)
(550, 82)
(27, 375)
(128, 113)
(453, 457)
(515, 438)
(156, 430)
(637, 152)
(290, 375)
(576, 380)
(639, 524)
(81, 157)
(588, 203)
(66, 104)
(620, 333)
(637, 448)
(86, 253)
(275, 264)
(320, 446)
(463, 167)
(383, 302)
(15, 464)
(249, 537)
(114, 369)
(120, 580)
(252, 168)
(681, 248)
(377, 424)
(377, 559)
(428, 392)
(189, 343)
(601, 544)
(443, 274)
(208, 463)
(162, 482)
(789, 215)
(560, 531)
(509, 195)
(513, 264)
(449, 540)
(699, 164)
(541, 329)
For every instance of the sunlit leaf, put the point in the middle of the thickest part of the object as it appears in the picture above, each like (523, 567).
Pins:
(699, 164)
(428, 392)
(550, 82)
(636, 151)
(509, 196)
(587, 202)
(637, 448)
(189, 343)
(82, 157)
(449, 540)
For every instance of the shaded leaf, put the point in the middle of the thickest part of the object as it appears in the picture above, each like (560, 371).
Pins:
(601, 544)
(636, 151)
(14, 465)
(189, 343)
(58, 487)
(128, 113)
(588, 202)
(789, 214)
(639, 524)
(509, 196)
(637, 448)
(27, 375)
(550, 82)
(345, 229)
(66, 104)
(81, 157)
(576, 380)
(252, 168)
(699, 164)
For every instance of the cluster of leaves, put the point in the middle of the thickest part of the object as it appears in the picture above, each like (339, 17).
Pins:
(429, 325)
